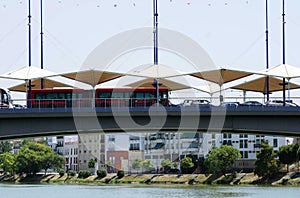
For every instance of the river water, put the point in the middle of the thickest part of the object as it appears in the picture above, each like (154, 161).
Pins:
(144, 191)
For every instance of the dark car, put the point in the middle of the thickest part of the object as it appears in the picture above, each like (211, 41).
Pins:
(251, 103)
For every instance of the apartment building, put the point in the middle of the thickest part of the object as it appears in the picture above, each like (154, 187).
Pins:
(71, 152)
(91, 146)
(122, 149)
(175, 146)
(249, 146)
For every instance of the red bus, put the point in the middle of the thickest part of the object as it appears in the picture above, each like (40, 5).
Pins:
(132, 97)
(56, 97)
(103, 97)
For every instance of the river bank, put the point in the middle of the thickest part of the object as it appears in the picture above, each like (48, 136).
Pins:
(290, 178)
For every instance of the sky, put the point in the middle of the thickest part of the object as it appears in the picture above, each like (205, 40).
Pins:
(232, 32)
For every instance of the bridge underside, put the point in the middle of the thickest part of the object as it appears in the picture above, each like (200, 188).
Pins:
(33, 123)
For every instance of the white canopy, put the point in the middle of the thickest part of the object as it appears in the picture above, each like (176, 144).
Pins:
(171, 85)
(92, 77)
(282, 71)
(156, 71)
(36, 84)
(28, 73)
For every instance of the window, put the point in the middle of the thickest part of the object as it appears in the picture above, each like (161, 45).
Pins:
(104, 95)
(246, 154)
(241, 143)
(245, 143)
(275, 142)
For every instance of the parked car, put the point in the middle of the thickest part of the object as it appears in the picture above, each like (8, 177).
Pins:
(19, 106)
(230, 104)
(195, 102)
(251, 103)
(288, 103)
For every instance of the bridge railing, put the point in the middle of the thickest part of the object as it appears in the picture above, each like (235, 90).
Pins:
(136, 102)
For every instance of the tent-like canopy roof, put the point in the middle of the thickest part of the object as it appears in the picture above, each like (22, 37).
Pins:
(36, 84)
(28, 73)
(221, 76)
(92, 77)
(156, 71)
(259, 85)
(282, 71)
(162, 83)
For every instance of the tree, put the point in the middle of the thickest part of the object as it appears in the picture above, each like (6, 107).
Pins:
(58, 162)
(136, 164)
(288, 154)
(266, 165)
(92, 163)
(220, 160)
(34, 157)
(8, 162)
(110, 166)
(147, 165)
(298, 156)
(166, 164)
(5, 146)
(186, 164)
(175, 165)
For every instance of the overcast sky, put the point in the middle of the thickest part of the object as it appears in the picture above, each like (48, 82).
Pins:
(231, 31)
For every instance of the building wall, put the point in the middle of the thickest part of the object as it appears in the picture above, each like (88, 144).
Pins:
(71, 152)
(117, 158)
(91, 146)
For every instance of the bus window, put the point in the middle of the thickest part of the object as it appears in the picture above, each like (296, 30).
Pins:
(104, 94)
(39, 96)
(117, 95)
(126, 95)
(51, 96)
(61, 96)
(74, 95)
(68, 96)
(149, 95)
(140, 95)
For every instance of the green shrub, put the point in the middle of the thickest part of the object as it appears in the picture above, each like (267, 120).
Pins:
(84, 174)
(120, 174)
(71, 173)
(61, 172)
(101, 173)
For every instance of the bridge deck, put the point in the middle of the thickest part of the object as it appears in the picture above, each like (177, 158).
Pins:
(263, 120)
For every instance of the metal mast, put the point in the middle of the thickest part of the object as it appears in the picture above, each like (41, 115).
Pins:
(155, 42)
(267, 52)
(283, 47)
(29, 51)
(29, 33)
(155, 31)
(42, 50)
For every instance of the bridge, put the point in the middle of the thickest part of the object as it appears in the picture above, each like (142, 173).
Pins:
(277, 121)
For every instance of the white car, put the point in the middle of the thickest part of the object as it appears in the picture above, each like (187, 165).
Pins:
(288, 103)
(195, 102)
(19, 106)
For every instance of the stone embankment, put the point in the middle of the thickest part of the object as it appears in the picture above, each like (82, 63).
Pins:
(184, 179)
